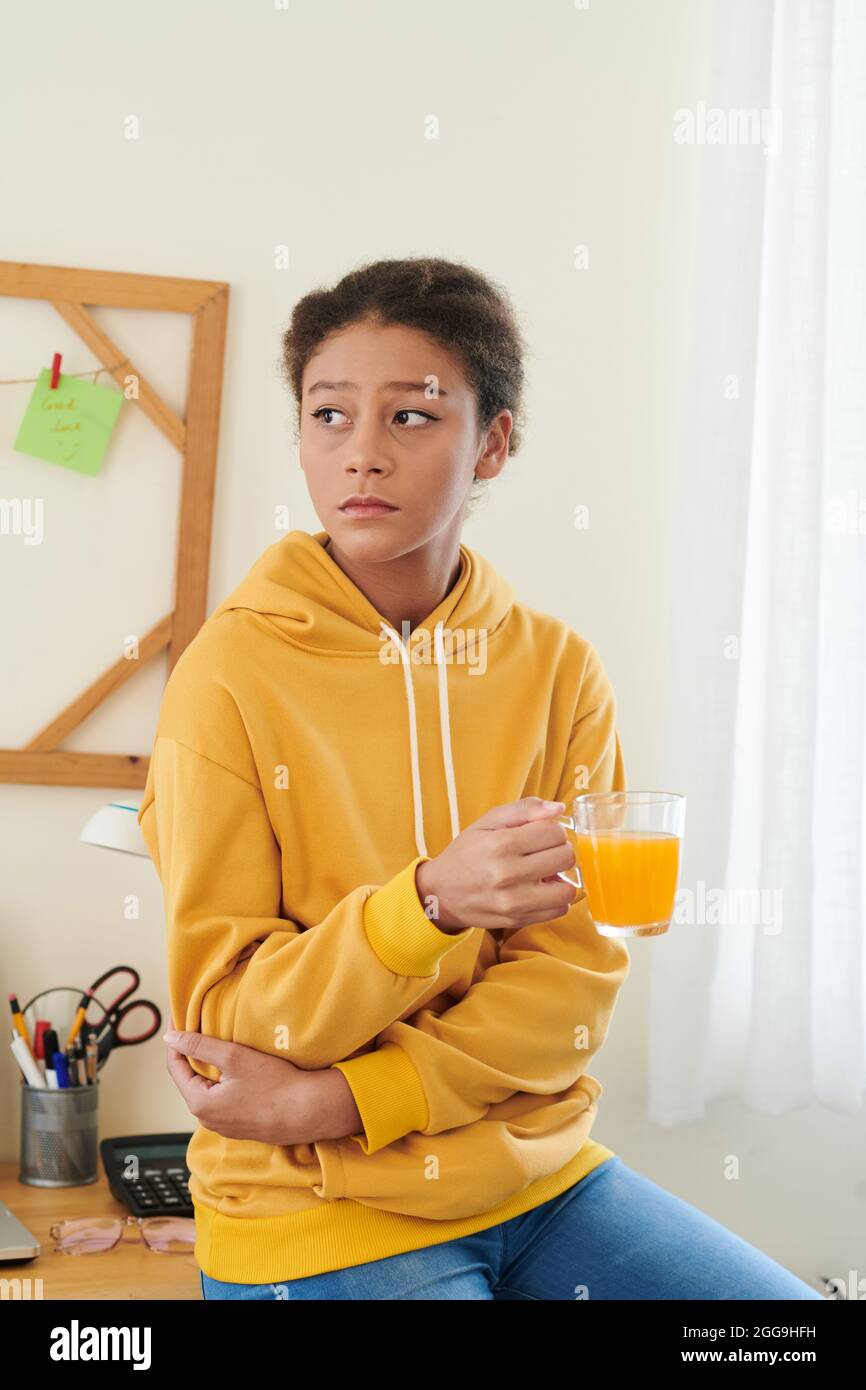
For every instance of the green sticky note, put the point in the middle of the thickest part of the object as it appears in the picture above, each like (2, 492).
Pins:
(71, 425)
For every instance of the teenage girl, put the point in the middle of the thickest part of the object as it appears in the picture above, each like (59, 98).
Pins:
(389, 994)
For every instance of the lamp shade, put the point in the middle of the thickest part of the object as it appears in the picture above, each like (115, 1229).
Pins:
(116, 827)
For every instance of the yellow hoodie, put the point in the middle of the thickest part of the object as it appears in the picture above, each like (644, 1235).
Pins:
(307, 758)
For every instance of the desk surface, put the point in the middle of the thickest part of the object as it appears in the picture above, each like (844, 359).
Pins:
(130, 1270)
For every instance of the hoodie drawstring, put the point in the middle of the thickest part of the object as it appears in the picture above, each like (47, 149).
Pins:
(444, 733)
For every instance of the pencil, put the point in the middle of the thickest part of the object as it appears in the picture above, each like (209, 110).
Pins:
(79, 1018)
(18, 1020)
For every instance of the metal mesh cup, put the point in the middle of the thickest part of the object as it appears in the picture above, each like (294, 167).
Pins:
(59, 1136)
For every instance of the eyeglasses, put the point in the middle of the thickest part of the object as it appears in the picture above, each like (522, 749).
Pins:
(166, 1235)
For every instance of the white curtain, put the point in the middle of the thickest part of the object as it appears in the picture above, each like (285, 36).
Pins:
(759, 989)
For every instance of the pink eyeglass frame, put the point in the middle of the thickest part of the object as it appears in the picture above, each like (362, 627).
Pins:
(72, 1235)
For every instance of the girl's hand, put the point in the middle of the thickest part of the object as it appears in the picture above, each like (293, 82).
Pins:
(259, 1096)
(500, 872)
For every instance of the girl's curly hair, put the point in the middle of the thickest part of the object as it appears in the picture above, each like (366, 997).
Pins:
(459, 306)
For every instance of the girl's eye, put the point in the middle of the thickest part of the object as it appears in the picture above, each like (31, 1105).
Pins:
(422, 413)
(324, 410)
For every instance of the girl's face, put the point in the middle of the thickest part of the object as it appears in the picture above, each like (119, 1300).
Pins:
(387, 411)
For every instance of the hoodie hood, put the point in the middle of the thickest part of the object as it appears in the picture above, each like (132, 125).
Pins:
(310, 601)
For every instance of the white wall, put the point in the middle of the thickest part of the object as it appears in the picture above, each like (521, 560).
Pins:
(305, 126)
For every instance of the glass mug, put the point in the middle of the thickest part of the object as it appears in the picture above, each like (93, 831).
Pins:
(628, 858)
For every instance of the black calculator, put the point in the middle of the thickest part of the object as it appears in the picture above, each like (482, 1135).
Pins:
(148, 1173)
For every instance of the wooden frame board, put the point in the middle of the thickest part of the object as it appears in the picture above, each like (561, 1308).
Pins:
(196, 437)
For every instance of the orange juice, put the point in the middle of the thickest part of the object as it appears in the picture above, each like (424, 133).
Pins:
(630, 875)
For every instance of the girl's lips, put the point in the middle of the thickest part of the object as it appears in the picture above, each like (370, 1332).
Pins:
(368, 509)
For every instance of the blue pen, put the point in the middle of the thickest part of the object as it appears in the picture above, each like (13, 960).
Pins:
(61, 1070)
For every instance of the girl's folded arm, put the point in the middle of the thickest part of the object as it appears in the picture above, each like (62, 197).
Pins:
(241, 971)
(535, 1020)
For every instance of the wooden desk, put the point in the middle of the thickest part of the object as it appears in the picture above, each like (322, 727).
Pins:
(129, 1271)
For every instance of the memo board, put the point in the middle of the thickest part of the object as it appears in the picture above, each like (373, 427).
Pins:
(196, 436)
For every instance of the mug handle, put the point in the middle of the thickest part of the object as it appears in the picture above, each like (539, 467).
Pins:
(568, 824)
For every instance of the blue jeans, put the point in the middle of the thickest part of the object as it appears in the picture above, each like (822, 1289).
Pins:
(614, 1234)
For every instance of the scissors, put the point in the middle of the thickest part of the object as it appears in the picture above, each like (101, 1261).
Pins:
(114, 1029)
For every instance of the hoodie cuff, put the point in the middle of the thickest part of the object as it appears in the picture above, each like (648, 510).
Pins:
(404, 938)
(388, 1093)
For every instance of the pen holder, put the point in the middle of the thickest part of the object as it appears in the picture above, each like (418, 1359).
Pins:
(59, 1136)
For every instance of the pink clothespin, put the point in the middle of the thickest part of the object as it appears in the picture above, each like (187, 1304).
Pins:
(55, 371)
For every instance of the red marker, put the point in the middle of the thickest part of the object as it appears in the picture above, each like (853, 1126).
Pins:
(42, 1026)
